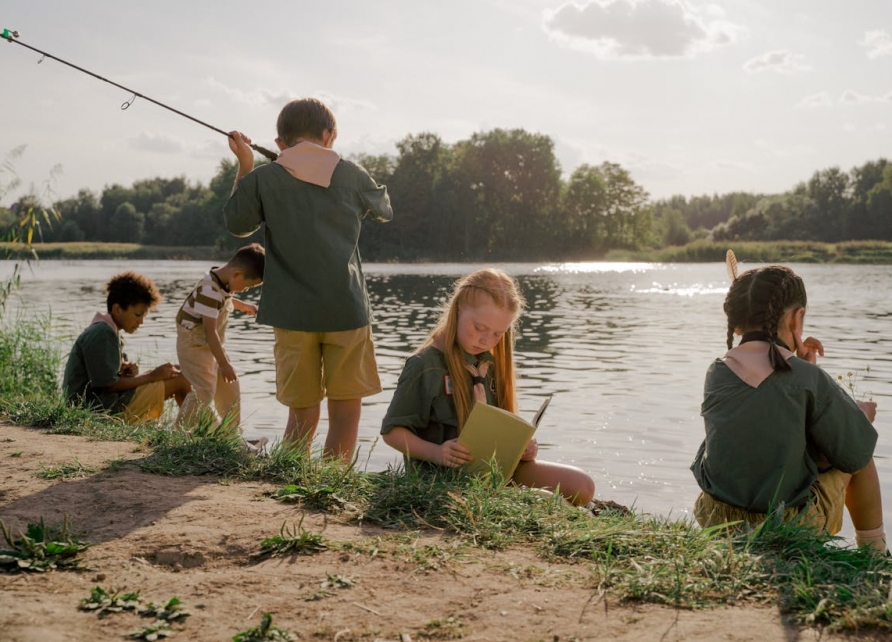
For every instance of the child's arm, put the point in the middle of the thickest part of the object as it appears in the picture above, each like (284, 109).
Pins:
(162, 372)
(244, 306)
(449, 453)
(216, 347)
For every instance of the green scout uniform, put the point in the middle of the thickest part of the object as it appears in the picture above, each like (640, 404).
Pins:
(95, 362)
(313, 280)
(422, 401)
(763, 444)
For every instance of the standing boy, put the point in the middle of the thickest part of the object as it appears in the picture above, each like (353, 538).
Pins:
(97, 375)
(312, 202)
(201, 330)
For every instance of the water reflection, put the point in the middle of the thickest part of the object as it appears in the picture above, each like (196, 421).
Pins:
(622, 347)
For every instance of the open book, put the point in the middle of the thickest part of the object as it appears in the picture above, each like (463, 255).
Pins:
(492, 433)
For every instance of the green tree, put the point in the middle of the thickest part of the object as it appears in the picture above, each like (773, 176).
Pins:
(127, 225)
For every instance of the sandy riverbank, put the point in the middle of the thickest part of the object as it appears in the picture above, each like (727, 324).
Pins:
(192, 537)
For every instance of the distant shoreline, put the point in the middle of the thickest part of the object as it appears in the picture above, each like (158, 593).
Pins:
(849, 252)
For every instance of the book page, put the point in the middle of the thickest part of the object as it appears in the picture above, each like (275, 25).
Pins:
(491, 432)
(538, 416)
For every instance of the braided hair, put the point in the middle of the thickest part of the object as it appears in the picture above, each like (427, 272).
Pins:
(758, 299)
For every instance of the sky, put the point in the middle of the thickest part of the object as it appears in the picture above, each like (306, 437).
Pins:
(690, 97)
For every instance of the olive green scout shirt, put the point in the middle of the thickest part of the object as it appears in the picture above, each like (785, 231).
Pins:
(763, 445)
(313, 278)
(94, 362)
(422, 401)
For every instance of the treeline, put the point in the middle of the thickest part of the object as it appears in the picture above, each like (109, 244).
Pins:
(499, 195)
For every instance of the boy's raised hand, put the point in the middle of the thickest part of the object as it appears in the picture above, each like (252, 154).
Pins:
(239, 144)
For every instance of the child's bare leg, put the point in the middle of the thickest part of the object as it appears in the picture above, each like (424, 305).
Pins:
(575, 485)
(343, 427)
(863, 498)
(865, 505)
(178, 388)
(301, 426)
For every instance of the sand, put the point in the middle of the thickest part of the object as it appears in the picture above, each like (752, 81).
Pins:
(195, 538)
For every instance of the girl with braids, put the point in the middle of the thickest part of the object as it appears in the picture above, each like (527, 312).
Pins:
(781, 434)
(468, 358)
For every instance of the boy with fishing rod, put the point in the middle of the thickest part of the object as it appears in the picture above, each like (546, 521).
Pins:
(311, 204)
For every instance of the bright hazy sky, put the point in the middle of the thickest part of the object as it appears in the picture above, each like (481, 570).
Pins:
(690, 97)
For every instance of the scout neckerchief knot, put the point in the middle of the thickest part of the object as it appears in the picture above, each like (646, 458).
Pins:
(478, 378)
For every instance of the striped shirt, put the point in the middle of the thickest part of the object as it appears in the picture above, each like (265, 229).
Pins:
(210, 298)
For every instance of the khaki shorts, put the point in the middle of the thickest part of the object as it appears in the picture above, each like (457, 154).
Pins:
(313, 365)
(147, 403)
(823, 510)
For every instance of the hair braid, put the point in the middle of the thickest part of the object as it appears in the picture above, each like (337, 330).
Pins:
(759, 299)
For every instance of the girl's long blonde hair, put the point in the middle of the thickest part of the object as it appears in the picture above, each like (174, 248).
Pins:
(502, 290)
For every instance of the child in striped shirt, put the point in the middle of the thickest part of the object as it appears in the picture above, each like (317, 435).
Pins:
(201, 329)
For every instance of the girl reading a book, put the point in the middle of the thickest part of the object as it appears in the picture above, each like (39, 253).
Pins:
(468, 358)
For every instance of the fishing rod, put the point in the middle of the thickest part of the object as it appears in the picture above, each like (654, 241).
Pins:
(12, 36)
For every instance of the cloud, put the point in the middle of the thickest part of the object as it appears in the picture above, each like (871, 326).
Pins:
(340, 104)
(779, 61)
(637, 29)
(850, 97)
(150, 142)
(256, 98)
(878, 43)
(821, 99)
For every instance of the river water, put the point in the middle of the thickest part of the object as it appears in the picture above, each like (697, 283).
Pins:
(622, 347)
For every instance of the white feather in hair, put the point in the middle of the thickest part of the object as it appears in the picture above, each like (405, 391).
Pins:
(731, 264)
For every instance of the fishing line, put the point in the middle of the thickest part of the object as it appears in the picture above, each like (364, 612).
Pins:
(12, 36)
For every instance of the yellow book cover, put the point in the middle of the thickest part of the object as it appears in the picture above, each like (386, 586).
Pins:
(491, 432)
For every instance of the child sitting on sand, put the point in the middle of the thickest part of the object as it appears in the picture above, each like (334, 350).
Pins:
(468, 358)
(97, 374)
(780, 432)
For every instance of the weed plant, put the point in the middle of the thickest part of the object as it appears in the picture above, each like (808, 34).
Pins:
(264, 632)
(292, 540)
(40, 548)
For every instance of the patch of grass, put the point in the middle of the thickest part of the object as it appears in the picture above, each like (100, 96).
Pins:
(29, 357)
(293, 540)
(40, 549)
(448, 628)
(208, 448)
(265, 631)
(329, 585)
(71, 470)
